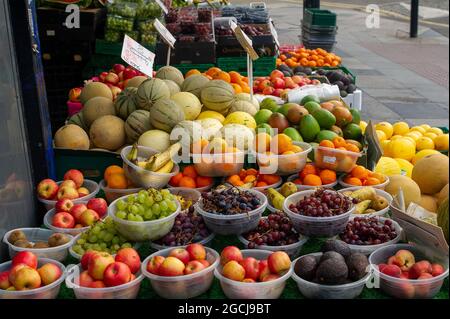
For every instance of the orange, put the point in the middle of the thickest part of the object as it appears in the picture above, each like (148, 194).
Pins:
(244, 79)
(262, 142)
(308, 169)
(234, 179)
(235, 77)
(198, 146)
(270, 179)
(360, 172)
(249, 179)
(281, 142)
(192, 72)
(188, 182)
(353, 181)
(339, 142)
(113, 169)
(252, 171)
(326, 143)
(237, 88)
(327, 176)
(245, 88)
(212, 71)
(190, 171)
(352, 148)
(117, 181)
(222, 76)
(261, 184)
(371, 181)
(242, 174)
(203, 181)
(296, 149)
(175, 180)
(288, 153)
(312, 180)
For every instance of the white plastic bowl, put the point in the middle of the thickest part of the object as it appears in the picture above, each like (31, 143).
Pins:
(368, 249)
(186, 286)
(112, 194)
(292, 250)
(48, 217)
(408, 288)
(313, 290)
(315, 226)
(307, 187)
(205, 242)
(379, 192)
(142, 231)
(378, 186)
(258, 290)
(187, 193)
(214, 165)
(58, 253)
(261, 189)
(46, 292)
(92, 186)
(141, 177)
(129, 290)
(233, 224)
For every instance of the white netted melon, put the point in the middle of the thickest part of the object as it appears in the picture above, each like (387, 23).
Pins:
(170, 73)
(150, 92)
(190, 104)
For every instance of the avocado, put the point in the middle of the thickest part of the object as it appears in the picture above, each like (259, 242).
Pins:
(309, 98)
(337, 246)
(346, 80)
(309, 128)
(325, 135)
(357, 266)
(312, 106)
(332, 272)
(356, 116)
(352, 131)
(343, 93)
(351, 88)
(331, 255)
(306, 267)
(340, 85)
(269, 104)
(325, 118)
(308, 71)
(293, 134)
(299, 69)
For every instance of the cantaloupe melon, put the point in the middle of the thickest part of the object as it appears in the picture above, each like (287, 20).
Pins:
(170, 73)
(136, 124)
(429, 203)
(194, 84)
(411, 190)
(150, 92)
(217, 95)
(94, 89)
(125, 103)
(165, 114)
(156, 139)
(247, 97)
(443, 194)
(96, 108)
(136, 81)
(173, 87)
(243, 106)
(431, 173)
(108, 132)
(190, 103)
(71, 136)
(77, 119)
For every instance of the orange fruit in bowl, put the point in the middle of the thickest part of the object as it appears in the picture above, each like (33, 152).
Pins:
(339, 142)
(360, 172)
(281, 142)
(308, 169)
(175, 180)
(203, 181)
(188, 182)
(113, 169)
(312, 180)
(296, 149)
(371, 181)
(190, 171)
(326, 143)
(353, 181)
(327, 176)
(288, 153)
(117, 181)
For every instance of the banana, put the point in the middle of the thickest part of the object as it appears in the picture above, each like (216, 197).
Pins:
(166, 168)
(275, 198)
(361, 207)
(133, 155)
(158, 161)
(141, 164)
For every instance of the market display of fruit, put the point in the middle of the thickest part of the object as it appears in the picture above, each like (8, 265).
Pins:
(367, 200)
(323, 203)
(71, 215)
(276, 197)
(310, 58)
(70, 188)
(278, 82)
(361, 176)
(313, 176)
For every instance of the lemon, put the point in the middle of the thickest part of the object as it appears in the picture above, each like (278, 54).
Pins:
(421, 154)
(384, 146)
(435, 130)
(424, 143)
(414, 135)
(386, 127)
(441, 142)
(387, 166)
(418, 129)
(363, 126)
(430, 135)
(402, 148)
(406, 167)
(409, 138)
(400, 128)
(211, 115)
(426, 127)
(381, 135)
(242, 118)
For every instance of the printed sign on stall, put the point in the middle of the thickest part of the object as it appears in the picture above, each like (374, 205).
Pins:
(137, 56)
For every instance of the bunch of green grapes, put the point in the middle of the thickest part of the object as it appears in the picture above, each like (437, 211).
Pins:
(102, 236)
(147, 205)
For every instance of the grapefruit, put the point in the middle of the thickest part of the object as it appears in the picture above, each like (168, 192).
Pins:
(424, 143)
(402, 148)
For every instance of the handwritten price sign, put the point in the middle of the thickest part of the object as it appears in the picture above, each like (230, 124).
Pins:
(137, 56)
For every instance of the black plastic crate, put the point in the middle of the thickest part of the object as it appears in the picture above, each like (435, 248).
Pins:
(187, 52)
(62, 76)
(57, 107)
(328, 46)
(62, 52)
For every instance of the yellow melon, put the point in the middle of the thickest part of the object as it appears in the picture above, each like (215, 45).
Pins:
(94, 89)
(72, 136)
(431, 173)
(108, 132)
(411, 190)
(429, 203)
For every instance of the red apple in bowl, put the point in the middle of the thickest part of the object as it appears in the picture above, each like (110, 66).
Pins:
(26, 258)
(234, 271)
(205, 262)
(270, 277)
(420, 268)
(49, 273)
(230, 253)
(112, 78)
(67, 192)
(64, 205)
(392, 270)
(89, 217)
(193, 266)
(404, 259)
(251, 267)
(98, 205)
(63, 220)
(278, 83)
(276, 74)
(181, 254)
(437, 270)
(279, 262)
(76, 176)
(116, 274)
(68, 183)
(171, 266)
(102, 76)
(26, 278)
(85, 280)
(77, 210)
(154, 263)
(97, 284)
(98, 263)
(4, 280)
(47, 189)
(263, 269)
(196, 251)
(86, 257)
(83, 191)
(130, 257)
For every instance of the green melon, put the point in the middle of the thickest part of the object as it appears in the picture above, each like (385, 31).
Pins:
(96, 108)
(165, 114)
(194, 84)
(173, 87)
(136, 124)
(77, 119)
(218, 96)
(170, 73)
(94, 89)
(125, 103)
(150, 92)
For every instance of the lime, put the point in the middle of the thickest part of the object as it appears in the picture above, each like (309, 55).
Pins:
(262, 116)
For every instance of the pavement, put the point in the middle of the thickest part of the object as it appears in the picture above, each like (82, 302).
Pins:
(401, 78)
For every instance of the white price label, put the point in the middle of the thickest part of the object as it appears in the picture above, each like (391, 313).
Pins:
(329, 159)
(163, 6)
(274, 32)
(137, 56)
(244, 40)
(164, 33)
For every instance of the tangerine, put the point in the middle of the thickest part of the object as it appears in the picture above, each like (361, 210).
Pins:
(188, 182)
(175, 180)
(327, 176)
(312, 180)
(190, 171)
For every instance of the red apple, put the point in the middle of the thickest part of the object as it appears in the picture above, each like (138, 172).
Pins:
(47, 189)
(437, 269)
(425, 275)
(74, 94)
(391, 260)
(171, 266)
(83, 191)
(248, 280)
(404, 275)
(279, 262)
(4, 280)
(251, 267)
(26, 278)
(404, 259)
(181, 254)
(68, 183)
(78, 226)
(14, 270)
(264, 84)
(268, 90)
(276, 74)
(102, 76)
(270, 277)
(49, 273)
(77, 210)
(406, 290)
(130, 257)
(25, 257)
(297, 79)
(76, 176)
(132, 277)
(63, 220)
(97, 284)
(118, 68)
(86, 257)
(193, 266)
(230, 253)
(117, 274)
(205, 262)
(67, 192)
(64, 205)
(98, 263)
(234, 271)
(278, 83)
(277, 92)
(89, 217)
(129, 74)
(99, 205)
(381, 266)
(419, 268)
(112, 78)
(263, 269)
(85, 280)
(154, 263)
(196, 251)
(392, 270)
(121, 85)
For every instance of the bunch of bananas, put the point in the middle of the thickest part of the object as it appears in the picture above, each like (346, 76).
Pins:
(159, 163)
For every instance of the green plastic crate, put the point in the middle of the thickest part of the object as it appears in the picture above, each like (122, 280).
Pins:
(320, 18)
(92, 162)
(261, 67)
(184, 68)
(113, 48)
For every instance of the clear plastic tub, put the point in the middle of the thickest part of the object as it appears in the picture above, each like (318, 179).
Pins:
(119, 23)
(312, 290)
(205, 242)
(191, 194)
(315, 226)
(233, 224)
(284, 164)
(379, 186)
(142, 231)
(92, 186)
(307, 187)
(186, 286)
(368, 249)
(141, 177)
(58, 253)
(407, 288)
(262, 188)
(125, 291)
(214, 165)
(46, 292)
(336, 160)
(112, 194)
(72, 231)
(379, 192)
(258, 290)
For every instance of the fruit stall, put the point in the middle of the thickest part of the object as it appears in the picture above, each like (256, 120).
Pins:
(195, 182)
